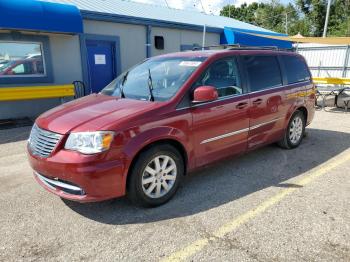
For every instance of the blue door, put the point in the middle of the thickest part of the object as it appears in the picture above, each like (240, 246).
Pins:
(101, 63)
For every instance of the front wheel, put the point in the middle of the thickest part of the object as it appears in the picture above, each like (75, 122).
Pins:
(295, 131)
(156, 176)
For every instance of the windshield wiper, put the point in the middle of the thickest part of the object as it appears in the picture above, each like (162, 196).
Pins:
(122, 95)
(150, 86)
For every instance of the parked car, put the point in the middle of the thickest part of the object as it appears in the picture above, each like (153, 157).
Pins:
(168, 116)
(28, 66)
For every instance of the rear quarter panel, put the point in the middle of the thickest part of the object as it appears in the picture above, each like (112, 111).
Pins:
(300, 94)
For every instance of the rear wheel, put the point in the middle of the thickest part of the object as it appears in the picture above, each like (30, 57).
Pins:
(156, 176)
(295, 131)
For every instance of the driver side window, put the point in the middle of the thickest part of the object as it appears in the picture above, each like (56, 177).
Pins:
(224, 76)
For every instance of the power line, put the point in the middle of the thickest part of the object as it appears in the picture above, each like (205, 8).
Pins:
(202, 5)
(283, 14)
(166, 2)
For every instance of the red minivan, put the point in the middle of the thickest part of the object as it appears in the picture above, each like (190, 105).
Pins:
(167, 116)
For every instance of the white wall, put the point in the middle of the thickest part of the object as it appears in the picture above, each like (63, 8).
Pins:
(174, 38)
(132, 39)
(66, 59)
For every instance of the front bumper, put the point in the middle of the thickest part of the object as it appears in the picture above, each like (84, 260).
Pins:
(77, 177)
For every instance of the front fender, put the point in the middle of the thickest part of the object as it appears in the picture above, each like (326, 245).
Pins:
(139, 141)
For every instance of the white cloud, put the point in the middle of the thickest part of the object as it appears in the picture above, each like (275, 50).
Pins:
(210, 6)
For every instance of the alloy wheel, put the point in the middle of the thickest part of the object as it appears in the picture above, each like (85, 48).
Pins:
(296, 130)
(159, 176)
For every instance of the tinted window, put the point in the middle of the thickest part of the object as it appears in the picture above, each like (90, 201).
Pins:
(263, 72)
(224, 76)
(296, 69)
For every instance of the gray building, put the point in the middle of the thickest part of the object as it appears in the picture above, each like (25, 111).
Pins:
(56, 42)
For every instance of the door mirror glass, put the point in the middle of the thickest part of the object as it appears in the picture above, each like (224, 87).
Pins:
(205, 94)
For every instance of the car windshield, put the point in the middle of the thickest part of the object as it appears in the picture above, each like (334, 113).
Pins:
(156, 79)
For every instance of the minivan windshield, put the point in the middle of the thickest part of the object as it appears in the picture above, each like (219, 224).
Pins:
(156, 79)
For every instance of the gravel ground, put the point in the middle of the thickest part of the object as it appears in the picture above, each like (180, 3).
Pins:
(312, 223)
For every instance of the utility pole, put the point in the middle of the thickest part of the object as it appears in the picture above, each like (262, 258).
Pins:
(229, 9)
(286, 23)
(327, 18)
(204, 33)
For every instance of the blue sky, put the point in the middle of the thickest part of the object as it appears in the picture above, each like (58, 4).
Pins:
(210, 6)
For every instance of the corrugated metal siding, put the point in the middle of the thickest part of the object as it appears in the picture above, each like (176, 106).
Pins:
(149, 11)
(325, 57)
(327, 72)
(327, 61)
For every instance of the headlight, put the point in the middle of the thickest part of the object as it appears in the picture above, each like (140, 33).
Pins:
(89, 142)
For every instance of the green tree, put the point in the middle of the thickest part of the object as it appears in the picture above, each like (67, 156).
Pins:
(339, 21)
(245, 13)
(270, 15)
(314, 12)
(306, 17)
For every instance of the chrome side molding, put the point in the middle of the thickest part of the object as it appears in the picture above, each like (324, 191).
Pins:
(240, 131)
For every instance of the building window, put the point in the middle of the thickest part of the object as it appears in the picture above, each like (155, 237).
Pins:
(159, 42)
(24, 59)
(19, 59)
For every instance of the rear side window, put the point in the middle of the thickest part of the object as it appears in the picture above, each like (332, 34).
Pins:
(296, 69)
(263, 72)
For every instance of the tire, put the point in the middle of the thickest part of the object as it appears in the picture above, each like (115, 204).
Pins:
(292, 139)
(148, 177)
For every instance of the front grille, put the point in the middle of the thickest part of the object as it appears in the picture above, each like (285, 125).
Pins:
(42, 142)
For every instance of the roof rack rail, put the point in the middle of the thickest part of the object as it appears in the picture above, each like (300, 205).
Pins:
(210, 47)
(240, 47)
(256, 47)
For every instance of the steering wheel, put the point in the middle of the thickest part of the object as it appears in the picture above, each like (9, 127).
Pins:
(237, 89)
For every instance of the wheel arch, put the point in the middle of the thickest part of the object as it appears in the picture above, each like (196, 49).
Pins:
(303, 109)
(163, 141)
(292, 110)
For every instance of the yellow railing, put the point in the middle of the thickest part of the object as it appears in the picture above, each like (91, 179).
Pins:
(35, 92)
(331, 80)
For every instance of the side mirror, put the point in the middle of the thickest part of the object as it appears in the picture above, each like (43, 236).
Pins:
(205, 94)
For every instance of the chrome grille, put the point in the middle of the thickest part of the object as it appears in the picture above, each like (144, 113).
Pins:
(42, 142)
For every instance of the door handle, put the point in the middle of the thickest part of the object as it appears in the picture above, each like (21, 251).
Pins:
(242, 105)
(257, 101)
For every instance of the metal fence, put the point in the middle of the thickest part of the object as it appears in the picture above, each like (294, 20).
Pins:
(327, 60)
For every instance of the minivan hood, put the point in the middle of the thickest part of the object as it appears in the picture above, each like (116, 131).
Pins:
(91, 113)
